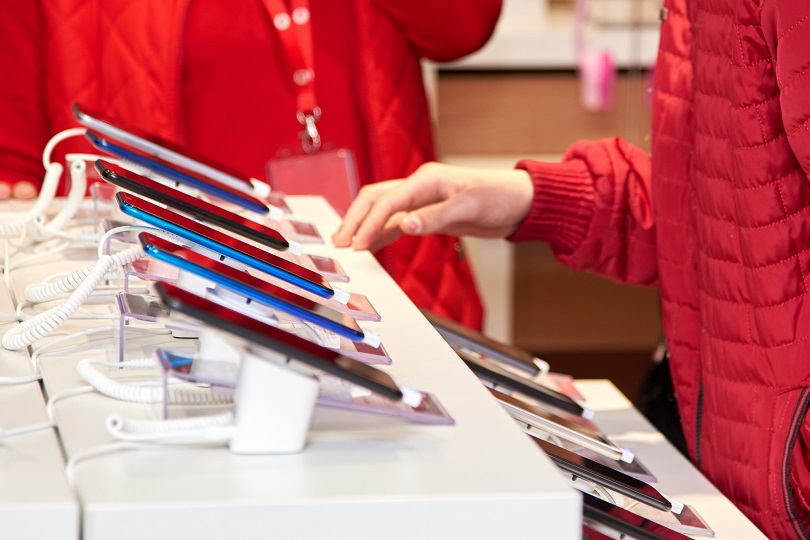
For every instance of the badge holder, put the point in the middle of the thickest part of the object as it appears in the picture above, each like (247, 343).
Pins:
(329, 173)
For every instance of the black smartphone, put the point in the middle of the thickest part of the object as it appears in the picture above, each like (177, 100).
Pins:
(251, 287)
(582, 467)
(623, 522)
(457, 334)
(223, 244)
(490, 372)
(265, 335)
(163, 150)
(535, 418)
(190, 179)
(196, 208)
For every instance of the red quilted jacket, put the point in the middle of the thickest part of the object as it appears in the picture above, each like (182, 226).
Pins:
(720, 222)
(213, 78)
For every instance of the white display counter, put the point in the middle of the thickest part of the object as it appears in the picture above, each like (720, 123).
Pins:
(359, 476)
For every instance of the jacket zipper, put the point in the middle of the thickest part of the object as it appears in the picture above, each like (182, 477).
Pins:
(787, 494)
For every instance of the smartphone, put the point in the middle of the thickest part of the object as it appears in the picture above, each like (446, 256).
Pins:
(535, 418)
(265, 335)
(457, 334)
(251, 287)
(192, 180)
(163, 150)
(625, 523)
(196, 208)
(582, 467)
(225, 245)
(490, 372)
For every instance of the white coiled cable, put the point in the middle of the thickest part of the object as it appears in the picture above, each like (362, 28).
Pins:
(51, 291)
(205, 429)
(185, 394)
(43, 324)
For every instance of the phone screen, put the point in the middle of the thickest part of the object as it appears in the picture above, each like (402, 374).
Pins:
(549, 422)
(186, 178)
(625, 522)
(251, 287)
(268, 336)
(223, 244)
(499, 376)
(163, 150)
(605, 476)
(460, 335)
(201, 210)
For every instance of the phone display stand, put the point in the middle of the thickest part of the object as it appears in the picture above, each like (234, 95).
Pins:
(217, 365)
(104, 205)
(137, 310)
(636, 469)
(273, 405)
(687, 521)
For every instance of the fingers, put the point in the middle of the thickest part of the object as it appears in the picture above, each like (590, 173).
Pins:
(419, 192)
(358, 210)
(24, 190)
(18, 190)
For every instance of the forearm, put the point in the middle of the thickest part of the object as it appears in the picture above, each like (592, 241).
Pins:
(595, 209)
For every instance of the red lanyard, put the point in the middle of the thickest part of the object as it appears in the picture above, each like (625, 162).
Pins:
(295, 32)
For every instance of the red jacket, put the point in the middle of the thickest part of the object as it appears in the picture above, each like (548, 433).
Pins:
(214, 78)
(720, 222)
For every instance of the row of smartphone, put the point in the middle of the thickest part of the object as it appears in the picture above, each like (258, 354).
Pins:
(250, 290)
(618, 500)
(198, 246)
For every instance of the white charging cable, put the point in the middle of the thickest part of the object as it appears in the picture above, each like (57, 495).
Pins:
(50, 291)
(42, 325)
(178, 394)
(201, 429)
(53, 174)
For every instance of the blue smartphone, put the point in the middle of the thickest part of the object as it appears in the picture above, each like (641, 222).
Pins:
(251, 287)
(197, 208)
(225, 245)
(222, 191)
(276, 339)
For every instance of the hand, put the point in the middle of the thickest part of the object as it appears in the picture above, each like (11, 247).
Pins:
(19, 190)
(437, 199)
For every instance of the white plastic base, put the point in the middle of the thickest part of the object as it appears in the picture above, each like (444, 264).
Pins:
(274, 405)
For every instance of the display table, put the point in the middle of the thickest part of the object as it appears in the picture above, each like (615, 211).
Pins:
(35, 499)
(677, 478)
(359, 476)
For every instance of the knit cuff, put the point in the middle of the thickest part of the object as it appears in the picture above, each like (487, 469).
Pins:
(563, 204)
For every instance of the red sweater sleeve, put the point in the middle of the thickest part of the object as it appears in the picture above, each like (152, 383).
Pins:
(595, 210)
(25, 128)
(444, 30)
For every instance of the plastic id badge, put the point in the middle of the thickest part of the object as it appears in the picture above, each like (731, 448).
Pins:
(330, 173)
